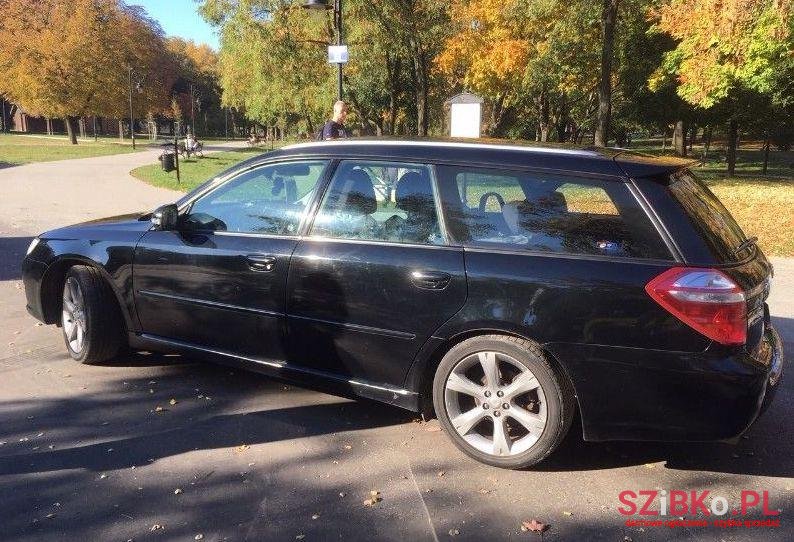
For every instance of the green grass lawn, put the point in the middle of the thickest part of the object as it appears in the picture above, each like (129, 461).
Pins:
(18, 149)
(194, 171)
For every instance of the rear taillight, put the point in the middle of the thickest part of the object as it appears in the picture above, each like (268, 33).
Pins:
(705, 299)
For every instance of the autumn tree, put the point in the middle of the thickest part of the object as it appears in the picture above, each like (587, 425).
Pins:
(69, 59)
(725, 50)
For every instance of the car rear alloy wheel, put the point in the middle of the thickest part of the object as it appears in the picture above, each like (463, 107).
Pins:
(501, 402)
(73, 317)
(503, 411)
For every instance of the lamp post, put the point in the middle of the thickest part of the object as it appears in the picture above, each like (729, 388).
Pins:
(139, 88)
(336, 6)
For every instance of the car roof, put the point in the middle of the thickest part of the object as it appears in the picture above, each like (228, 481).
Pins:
(488, 153)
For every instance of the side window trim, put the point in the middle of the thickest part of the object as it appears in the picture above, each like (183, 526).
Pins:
(314, 207)
(661, 229)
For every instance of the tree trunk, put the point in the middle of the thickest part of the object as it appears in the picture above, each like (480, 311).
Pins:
(679, 137)
(664, 139)
(706, 144)
(766, 155)
(608, 19)
(733, 136)
(71, 129)
(121, 130)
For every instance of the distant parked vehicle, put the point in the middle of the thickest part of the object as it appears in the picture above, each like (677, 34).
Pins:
(502, 286)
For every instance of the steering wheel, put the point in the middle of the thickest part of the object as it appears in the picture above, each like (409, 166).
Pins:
(484, 200)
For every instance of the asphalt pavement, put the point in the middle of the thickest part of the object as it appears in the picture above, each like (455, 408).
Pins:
(156, 447)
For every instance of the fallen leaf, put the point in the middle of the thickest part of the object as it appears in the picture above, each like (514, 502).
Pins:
(650, 466)
(49, 516)
(103, 476)
(341, 493)
(157, 527)
(172, 402)
(348, 447)
(177, 491)
(454, 532)
(300, 536)
(533, 525)
(374, 493)
(241, 448)
(441, 473)
(198, 537)
(567, 513)
(315, 516)
(158, 409)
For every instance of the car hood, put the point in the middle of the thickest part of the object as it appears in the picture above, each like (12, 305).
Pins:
(133, 222)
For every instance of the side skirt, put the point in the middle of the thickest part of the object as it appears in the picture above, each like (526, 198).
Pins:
(334, 383)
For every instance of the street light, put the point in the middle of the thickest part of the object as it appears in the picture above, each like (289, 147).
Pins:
(337, 7)
(139, 88)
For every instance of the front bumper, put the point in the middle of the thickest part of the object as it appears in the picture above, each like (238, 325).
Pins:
(32, 277)
(636, 394)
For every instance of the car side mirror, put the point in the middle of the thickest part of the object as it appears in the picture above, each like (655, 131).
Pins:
(165, 217)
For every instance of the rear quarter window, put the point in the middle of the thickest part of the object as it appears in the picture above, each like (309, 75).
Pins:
(708, 216)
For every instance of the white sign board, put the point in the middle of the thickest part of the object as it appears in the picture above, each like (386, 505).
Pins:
(465, 120)
(337, 54)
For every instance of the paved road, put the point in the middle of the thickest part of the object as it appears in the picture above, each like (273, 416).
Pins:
(85, 453)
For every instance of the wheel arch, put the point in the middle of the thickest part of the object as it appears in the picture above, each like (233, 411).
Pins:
(52, 287)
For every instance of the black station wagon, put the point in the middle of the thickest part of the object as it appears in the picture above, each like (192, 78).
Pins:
(504, 287)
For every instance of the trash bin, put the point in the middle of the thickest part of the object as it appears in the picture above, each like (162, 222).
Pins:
(167, 160)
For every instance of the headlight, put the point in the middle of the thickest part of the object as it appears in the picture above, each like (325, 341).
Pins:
(32, 246)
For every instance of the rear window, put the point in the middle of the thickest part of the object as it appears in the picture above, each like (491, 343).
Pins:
(708, 215)
(546, 213)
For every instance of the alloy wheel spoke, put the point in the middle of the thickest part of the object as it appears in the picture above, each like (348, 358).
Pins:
(522, 383)
(79, 338)
(532, 422)
(461, 384)
(464, 422)
(490, 367)
(77, 295)
(68, 305)
(501, 439)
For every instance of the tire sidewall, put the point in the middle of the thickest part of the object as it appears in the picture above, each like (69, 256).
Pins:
(555, 423)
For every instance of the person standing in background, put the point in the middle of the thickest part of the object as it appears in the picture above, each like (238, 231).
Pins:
(335, 128)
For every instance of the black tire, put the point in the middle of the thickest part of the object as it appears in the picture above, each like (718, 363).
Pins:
(560, 401)
(104, 334)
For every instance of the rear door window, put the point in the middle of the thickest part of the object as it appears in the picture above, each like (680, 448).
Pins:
(708, 216)
(546, 213)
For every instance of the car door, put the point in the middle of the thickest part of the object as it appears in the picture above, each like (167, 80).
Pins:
(374, 278)
(219, 280)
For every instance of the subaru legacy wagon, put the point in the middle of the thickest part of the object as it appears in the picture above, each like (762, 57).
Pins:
(503, 287)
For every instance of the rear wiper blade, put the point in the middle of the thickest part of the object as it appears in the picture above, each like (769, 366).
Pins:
(747, 243)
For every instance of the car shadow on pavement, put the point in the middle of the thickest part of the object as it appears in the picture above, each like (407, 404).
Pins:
(140, 424)
(12, 250)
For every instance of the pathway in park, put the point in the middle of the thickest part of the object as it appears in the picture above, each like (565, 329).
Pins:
(43, 195)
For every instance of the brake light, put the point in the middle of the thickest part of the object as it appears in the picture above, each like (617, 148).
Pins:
(704, 299)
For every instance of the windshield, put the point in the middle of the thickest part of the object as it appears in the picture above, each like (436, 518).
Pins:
(709, 216)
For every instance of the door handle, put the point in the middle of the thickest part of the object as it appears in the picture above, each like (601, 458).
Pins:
(261, 262)
(430, 280)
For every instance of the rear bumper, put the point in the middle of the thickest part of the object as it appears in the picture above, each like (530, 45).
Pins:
(32, 275)
(635, 394)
